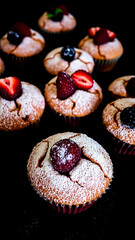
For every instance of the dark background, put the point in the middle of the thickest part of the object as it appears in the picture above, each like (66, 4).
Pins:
(24, 215)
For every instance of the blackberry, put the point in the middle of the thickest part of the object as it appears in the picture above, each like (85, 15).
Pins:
(68, 53)
(127, 117)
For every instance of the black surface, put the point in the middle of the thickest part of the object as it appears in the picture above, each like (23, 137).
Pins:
(24, 215)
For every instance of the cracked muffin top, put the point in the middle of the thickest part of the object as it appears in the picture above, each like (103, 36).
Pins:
(123, 87)
(83, 183)
(68, 59)
(21, 104)
(77, 95)
(119, 119)
(101, 44)
(22, 41)
(57, 19)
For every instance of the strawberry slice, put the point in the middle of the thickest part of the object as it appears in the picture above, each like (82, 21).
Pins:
(111, 34)
(21, 28)
(82, 79)
(92, 31)
(10, 88)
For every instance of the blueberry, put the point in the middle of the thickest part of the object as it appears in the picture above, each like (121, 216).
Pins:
(68, 53)
(14, 37)
(127, 117)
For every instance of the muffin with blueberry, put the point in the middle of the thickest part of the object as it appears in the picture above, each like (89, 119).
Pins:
(21, 45)
(123, 87)
(68, 59)
(74, 96)
(104, 47)
(119, 120)
(70, 171)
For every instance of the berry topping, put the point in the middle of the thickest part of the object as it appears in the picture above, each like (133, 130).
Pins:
(127, 116)
(17, 32)
(82, 79)
(64, 9)
(64, 155)
(68, 53)
(131, 87)
(65, 85)
(101, 35)
(55, 14)
(10, 88)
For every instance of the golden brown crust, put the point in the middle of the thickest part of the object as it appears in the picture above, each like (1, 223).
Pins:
(80, 104)
(24, 111)
(112, 121)
(85, 182)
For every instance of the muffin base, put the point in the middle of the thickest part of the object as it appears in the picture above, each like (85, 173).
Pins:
(105, 65)
(123, 148)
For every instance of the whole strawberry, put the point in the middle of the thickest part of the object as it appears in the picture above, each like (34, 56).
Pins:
(65, 85)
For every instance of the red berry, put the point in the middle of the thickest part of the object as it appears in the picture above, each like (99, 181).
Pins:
(65, 85)
(82, 79)
(21, 28)
(111, 34)
(64, 155)
(64, 9)
(101, 37)
(10, 88)
(92, 31)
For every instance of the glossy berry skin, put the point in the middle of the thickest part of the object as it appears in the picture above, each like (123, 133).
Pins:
(127, 117)
(10, 88)
(65, 85)
(14, 37)
(101, 37)
(68, 53)
(64, 154)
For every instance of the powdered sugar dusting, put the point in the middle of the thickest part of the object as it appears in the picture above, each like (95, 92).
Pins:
(86, 181)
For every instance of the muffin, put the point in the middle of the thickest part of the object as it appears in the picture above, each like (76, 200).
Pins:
(74, 96)
(119, 120)
(57, 20)
(21, 44)
(103, 46)
(123, 87)
(70, 171)
(68, 59)
(21, 104)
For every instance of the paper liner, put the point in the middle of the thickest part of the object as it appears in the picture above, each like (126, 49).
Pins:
(65, 209)
(123, 147)
(105, 65)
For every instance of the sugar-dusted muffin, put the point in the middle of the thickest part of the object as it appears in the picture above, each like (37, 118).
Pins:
(73, 96)
(119, 120)
(70, 171)
(57, 19)
(21, 104)
(21, 44)
(103, 46)
(68, 59)
(123, 87)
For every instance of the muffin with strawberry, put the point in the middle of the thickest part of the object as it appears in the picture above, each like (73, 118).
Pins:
(21, 104)
(73, 96)
(21, 44)
(104, 47)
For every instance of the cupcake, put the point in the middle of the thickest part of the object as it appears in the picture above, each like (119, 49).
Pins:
(103, 46)
(68, 59)
(123, 87)
(70, 171)
(74, 96)
(21, 104)
(119, 120)
(57, 20)
(21, 45)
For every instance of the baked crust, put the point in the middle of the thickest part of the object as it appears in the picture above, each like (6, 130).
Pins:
(24, 111)
(84, 183)
(54, 63)
(112, 121)
(80, 104)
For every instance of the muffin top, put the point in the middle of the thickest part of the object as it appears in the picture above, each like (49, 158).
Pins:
(68, 59)
(56, 20)
(119, 119)
(22, 111)
(22, 41)
(104, 47)
(85, 182)
(79, 102)
(123, 86)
